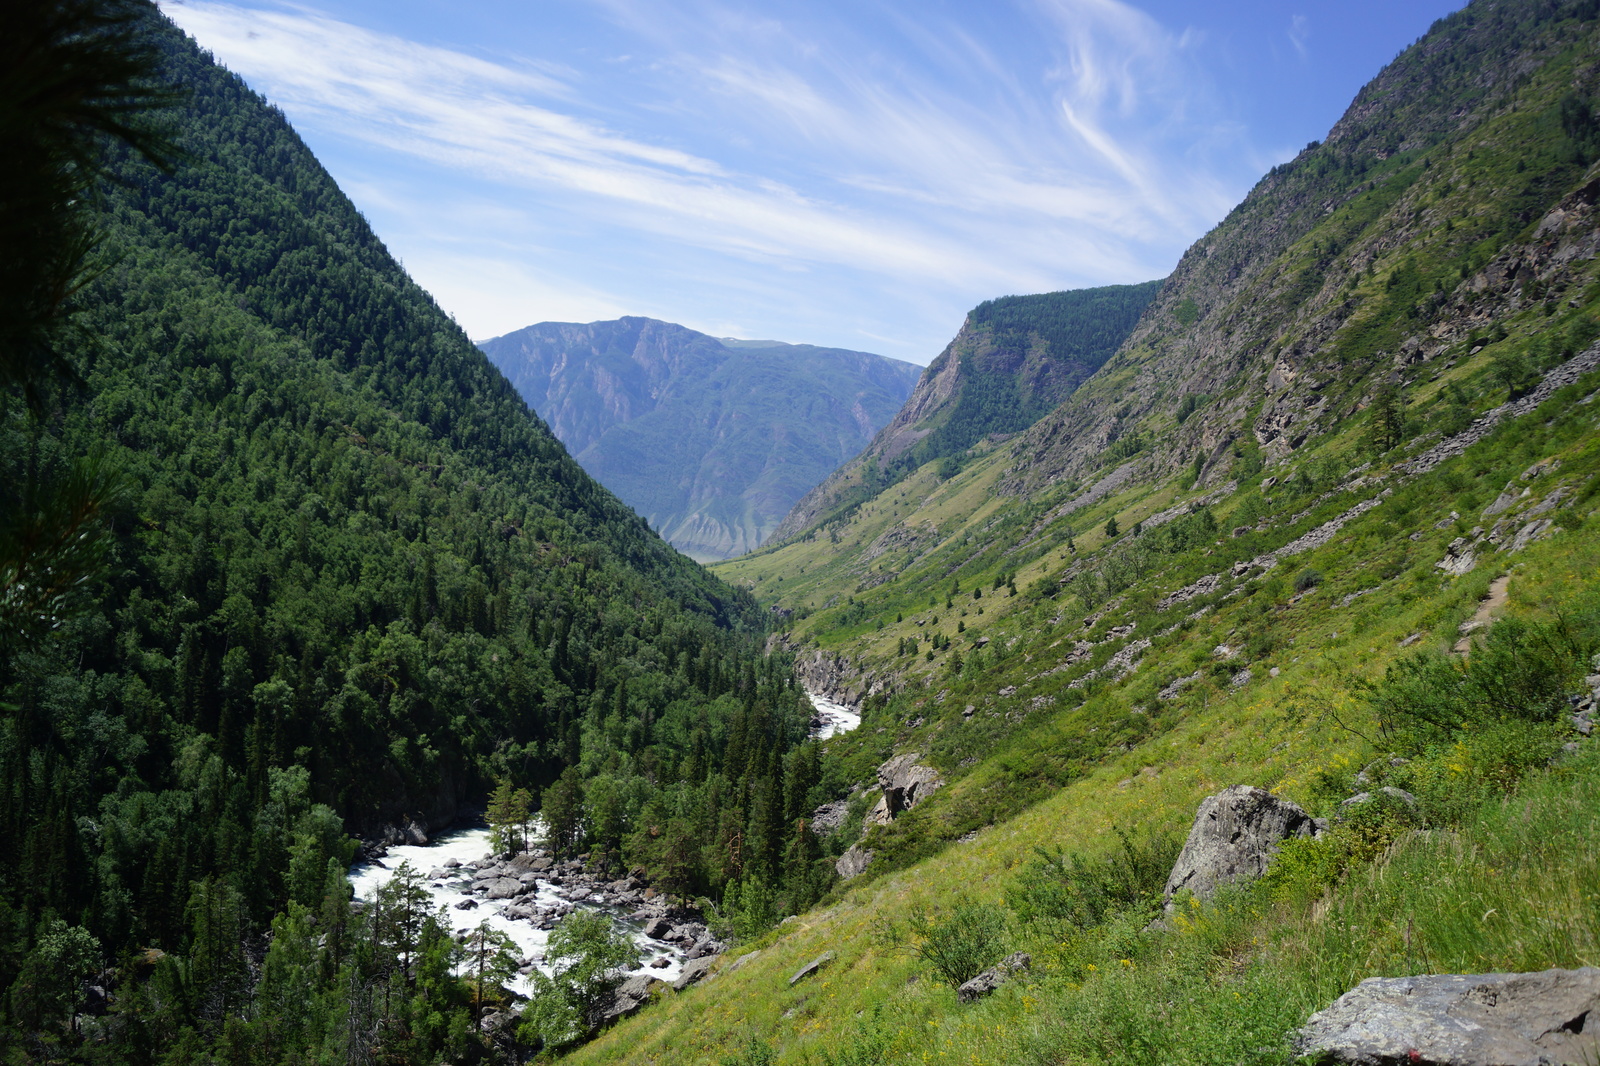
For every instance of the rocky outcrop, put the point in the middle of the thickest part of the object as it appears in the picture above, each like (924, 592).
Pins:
(995, 976)
(829, 816)
(836, 677)
(693, 971)
(1235, 835)
(1501, 1019)
(905, 783)
(1028, 363)
(1260, 337)
(629, 998)
(1388, 796)
(853, 862)
(411, 813)
(742, 961)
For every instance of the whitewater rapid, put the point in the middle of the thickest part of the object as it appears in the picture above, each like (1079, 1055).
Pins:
(835, 718)
(469, 846)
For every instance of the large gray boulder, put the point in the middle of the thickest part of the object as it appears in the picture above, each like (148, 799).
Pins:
(504, 888)
(629, 998)
(1235, 835)
(1497, 1019)
(904, 783)
(694, 970)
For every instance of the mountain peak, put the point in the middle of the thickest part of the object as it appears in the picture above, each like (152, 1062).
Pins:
(712, 441)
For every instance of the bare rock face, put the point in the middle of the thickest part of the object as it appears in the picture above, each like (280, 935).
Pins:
(1235, 835)
(830, 816)
(1498, 1019)
(629, 998)
(693, 971)
(904, 784)
(811, 967)
(853, 862)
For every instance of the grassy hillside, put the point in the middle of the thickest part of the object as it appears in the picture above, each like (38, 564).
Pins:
(1262, 570)
(1053, 767)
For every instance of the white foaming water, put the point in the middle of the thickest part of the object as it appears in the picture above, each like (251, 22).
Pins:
(472, 845)
(836, 717)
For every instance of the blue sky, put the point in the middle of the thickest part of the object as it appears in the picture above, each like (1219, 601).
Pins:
(857, 174)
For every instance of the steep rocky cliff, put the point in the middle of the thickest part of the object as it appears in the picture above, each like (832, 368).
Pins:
(1451, 193)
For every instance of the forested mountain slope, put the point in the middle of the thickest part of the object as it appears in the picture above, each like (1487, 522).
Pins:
(349, 580)
(711, 443)
(1014, 360)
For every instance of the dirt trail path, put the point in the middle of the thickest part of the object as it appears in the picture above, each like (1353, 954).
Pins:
(1488, 607)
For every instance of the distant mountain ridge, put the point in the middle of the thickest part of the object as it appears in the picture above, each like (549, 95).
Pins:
(711, 441)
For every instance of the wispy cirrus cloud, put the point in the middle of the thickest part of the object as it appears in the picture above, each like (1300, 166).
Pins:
(1300, 34)
(457, 111)
(809, 159)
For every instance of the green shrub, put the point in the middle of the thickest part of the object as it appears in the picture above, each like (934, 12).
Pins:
(1521, 672)
(589, 957)
(1086, 892)
(964, 943)
(749, 908)
(754, 1053)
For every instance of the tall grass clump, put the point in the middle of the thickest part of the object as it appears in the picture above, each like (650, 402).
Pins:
(1515, 886)
(1084, 892)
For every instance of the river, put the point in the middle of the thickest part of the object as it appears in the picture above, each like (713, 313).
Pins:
(469, 846)
(836, 718)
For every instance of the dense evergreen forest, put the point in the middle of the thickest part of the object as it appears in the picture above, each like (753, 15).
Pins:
(1083, 324)
(317, 570)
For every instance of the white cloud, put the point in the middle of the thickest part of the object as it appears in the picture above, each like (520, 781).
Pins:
(1299, 34)
(460, 112)
(801, 154)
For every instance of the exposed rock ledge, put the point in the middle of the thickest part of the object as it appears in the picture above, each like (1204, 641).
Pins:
(1497, 1019)
(904, 782)
(828, 674)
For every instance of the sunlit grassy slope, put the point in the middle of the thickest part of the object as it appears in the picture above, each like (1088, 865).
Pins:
(999, 620)
(1234, 981)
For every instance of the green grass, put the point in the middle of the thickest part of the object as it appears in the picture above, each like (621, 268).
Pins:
(1234, 978)
(1053, 756)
